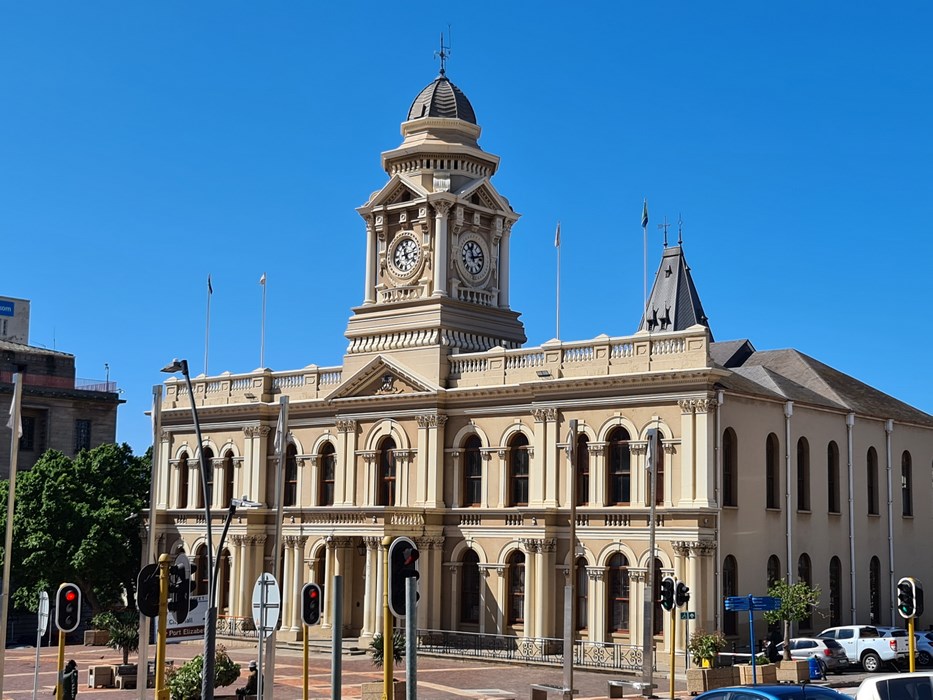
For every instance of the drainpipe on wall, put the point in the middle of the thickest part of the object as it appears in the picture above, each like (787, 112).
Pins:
(850, 424)
(788, 412)
(717, 579)
(888, 429)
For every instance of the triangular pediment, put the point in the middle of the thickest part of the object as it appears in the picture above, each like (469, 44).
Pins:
(398, 189)
(382, 377)
(482, 193)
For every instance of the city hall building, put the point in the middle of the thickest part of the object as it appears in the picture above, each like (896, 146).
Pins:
(443, 426)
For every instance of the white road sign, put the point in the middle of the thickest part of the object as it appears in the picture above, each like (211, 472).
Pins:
(267, 601)
(43, 612)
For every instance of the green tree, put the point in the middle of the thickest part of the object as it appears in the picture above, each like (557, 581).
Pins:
(77, 520)
(797, 600)
(123, 628)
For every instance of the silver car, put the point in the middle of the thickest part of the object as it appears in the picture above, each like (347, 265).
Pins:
(830, 654)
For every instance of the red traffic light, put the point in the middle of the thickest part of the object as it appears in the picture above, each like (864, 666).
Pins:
(313, 593)
(70, 595)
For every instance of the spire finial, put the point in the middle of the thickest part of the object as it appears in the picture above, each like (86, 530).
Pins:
(680, 230)
(444, 52)
(664, 228)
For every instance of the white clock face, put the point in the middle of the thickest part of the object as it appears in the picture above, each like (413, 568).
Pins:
(472, 257)
(406, 255)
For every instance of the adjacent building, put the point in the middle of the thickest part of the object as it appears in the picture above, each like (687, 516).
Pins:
(59, 411)
(441, 425)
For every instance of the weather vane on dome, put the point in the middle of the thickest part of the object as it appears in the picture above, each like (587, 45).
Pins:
(444, 53)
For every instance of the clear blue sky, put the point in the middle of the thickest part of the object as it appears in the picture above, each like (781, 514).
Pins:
(146, 145)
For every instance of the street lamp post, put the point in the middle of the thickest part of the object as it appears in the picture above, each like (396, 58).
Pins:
(210, 623)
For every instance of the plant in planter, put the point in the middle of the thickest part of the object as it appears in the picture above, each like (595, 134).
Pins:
(704, 647)
(398, 648)
(184, 682)
(123, 630)
(797, 600)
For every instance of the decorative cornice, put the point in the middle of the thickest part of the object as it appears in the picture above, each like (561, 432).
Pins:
(686, 405)
(637, 575)
(346, 425)
(705, 405)
(542, 415)
(596, 573)
(432, 420)
(441, 207)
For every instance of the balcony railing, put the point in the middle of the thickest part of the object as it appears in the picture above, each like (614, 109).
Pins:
(95, 385)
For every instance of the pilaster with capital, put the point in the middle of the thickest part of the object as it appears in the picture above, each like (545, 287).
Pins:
(441, 262)
(543, 474)
(503, 265)
(431, 460)
(369, 290)
(704, 450)
(345, 482)
(688, 456)
(255, 448)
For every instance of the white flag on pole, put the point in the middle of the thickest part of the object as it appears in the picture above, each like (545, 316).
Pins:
(17, 397)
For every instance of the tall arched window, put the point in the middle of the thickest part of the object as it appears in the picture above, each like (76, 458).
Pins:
(907, 484)
(327, 474)
(472, 472)
(183, 481)
(874, 591)
(516, 588)
(872, 481)
(518, 470)
(580, 592)
(772, 472)
(730, 468)
(730, 587)
(223, 581)
(582, 465)
(291, 476)
(835, 592)
(200, 574)
(774, 570)
(469, 594)
(832, 478)
(620, 468)
(618, 593)
(228, 472)
(659, 483)
(803, 474)
(386, 485)
(209, 477)
(805, 575)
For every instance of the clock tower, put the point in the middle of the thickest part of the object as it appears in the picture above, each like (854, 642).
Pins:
(437, 245)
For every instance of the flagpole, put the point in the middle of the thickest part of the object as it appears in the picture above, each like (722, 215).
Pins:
(207, 325)
(644, 226)
(16, 431)
(557, 245)
(262, 329)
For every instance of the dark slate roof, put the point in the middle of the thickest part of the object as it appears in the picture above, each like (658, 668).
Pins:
(731, 353)
(442, 99)
(674, 304)
(30, 349)
(790, 375)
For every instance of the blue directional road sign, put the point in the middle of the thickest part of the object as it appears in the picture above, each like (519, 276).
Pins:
(738, 602)
(765, 602)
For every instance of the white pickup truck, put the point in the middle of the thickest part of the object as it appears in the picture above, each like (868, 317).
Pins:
(864, 645)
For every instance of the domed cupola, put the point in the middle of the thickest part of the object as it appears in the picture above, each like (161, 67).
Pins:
(442, 99)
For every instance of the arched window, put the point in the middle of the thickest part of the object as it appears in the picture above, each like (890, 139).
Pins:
(872, 481)
(291, 476)
(907, 484)
(618, 593)
(772, 472)
(516, 588)
(386, 485)
(320, 565)
(228, 472)
(580, 586)
(659, 478)
(658, 611)
(730, 587)
(730, 468)
(620, 468)
(209, 478)
(183, 481)
(874, 591)
(472, 472)
(582, 457)
(805, 575)
(327, 475)
(518, 470)
(200, 574)
(835, 592)
(774, 570)
(469, 594)
(832, 478)
(803, 474)
(223, 581)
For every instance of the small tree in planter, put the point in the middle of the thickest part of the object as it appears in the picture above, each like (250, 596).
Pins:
(797, 599)
(704, 648)
(184, 682)
(398, 648)
(123, 628)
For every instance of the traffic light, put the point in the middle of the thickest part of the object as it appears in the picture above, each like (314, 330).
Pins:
(907, 604)
(402, 558)
(667, 593)
(180, 587)
(147, 590)
(312, 599)
(68, 607)
(682, 596)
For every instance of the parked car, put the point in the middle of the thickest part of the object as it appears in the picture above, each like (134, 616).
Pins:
(864, 645)
(901, 632)
(828, 652)
(924, 644)
(897, 686)
(774, 692)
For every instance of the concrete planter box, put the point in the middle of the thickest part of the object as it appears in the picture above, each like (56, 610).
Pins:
(699, 680)
(767, 673)
(793, 671)
(100, 677)
(373, 691)
(96, 638)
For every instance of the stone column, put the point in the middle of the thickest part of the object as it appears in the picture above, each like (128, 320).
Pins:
(330, 566)
(289, 596)
(503, 453)
(441, 208)
(431, 461)
(372, 588)
(641, 483)
(166, 482)
(597, 473)
(597, 603)
(430, 583)
(455, 569)
(501, 595)
(254, 455)
(529, 609)
(369, 291)
(456, 476)
(544, 589)
(704, 449)
(541, 464)
(236, 574)
(503, 268)
(345, 483)
(688, 456)
(487, 490)
(636, 604)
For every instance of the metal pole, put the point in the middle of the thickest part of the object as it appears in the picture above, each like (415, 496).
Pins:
(59, 683)
(648, 610)
(336, 659)
(388, 648)
(570, 588)
(673, 645)
(280, 443)
(161, 692)
(149, 542)
(263, 593)
(910, 637)
(35, 675)
(15, 408)
(411, 638)
(304, 662)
